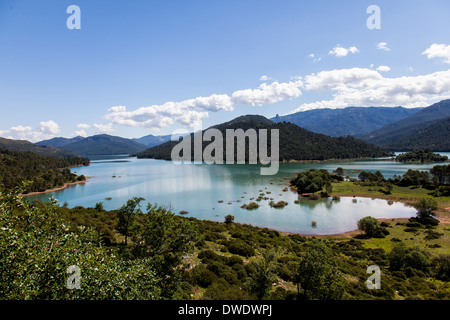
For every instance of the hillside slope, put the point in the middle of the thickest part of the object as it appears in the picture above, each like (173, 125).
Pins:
(348, 121)
(26, 146)
(296, 143)
(104, 144)
(409, 126)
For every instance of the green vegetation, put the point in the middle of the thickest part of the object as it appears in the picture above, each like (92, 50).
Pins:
(251, 206)
(314, 180)
(371, 227)
(279, 205)
(43, 172)
(172, 257)
(425, 129)
(296, 143)
(420, 156)
(26, 146)
(433, 137)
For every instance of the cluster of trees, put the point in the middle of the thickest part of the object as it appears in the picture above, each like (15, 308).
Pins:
(420, 156)
(315, 180)
(437, 179)
(43, 172)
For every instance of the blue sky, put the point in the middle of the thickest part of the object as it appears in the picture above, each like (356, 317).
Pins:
(141, 67)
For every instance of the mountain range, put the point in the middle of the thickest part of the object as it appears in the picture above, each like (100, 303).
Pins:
(295, 143)
(104, 144)
(426, 129)
(25, 146)
(348, 121)
(394, 129)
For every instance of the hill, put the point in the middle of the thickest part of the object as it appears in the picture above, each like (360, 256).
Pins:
(151, 140)
(59, 142)
(104, 144)
(42, 172)
(296, 143)
(412, 125)
(434, 137)
(348, 121)
(26, 146)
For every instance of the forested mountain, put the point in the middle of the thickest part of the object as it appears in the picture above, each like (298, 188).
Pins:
(412, 125)
(43, 172)
(151, 140)
(348, 121)
(435, 137)
(296, 143)
(104, 144)
(59, 142)
(24, 146)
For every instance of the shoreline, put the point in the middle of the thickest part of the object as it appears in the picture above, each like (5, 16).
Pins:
(65, 186)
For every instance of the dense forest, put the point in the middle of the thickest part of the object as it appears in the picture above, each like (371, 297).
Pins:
(42, 172)
(295, 142)
(425, 129)
(435, 137)
(420, 156)
(26, 146)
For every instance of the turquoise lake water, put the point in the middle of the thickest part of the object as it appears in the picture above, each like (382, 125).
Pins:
(199, 188)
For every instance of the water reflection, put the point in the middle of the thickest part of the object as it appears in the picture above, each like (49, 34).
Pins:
(212, 192)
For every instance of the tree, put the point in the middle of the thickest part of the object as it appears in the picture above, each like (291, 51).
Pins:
(262, 275)
(164, 239)
(318, 275)
(369, 226)
(339, 172)
(99, 207)
(426, 207)
(229, 219)
(441, 173)
(126, 224)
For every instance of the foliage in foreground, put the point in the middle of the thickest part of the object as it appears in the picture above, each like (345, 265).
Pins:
(173, 257)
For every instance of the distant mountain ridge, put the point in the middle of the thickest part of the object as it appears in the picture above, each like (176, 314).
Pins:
(151, 140)
(59, 142)
(347, 121)
(296, 143)
(412, 131)
(104, 144)
(26, 146)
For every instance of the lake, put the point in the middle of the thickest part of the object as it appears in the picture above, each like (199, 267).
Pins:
(214, 191)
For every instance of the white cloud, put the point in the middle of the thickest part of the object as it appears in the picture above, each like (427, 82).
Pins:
(81, 133)
(103, 128)
(267, 93)
(192, 111)
(265, 78)
(383, 46)
(83, 126)
(49, 128)
(341, 77)
(313, 56)
(365, 87)
(383, 69)
(46, 130)
(438, 51)
(339, 51)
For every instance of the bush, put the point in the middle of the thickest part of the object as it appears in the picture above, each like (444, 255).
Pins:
(202, 277)
(426, 207)
(239, 247)
(251, 206)
(369, 225)
(279, 205)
